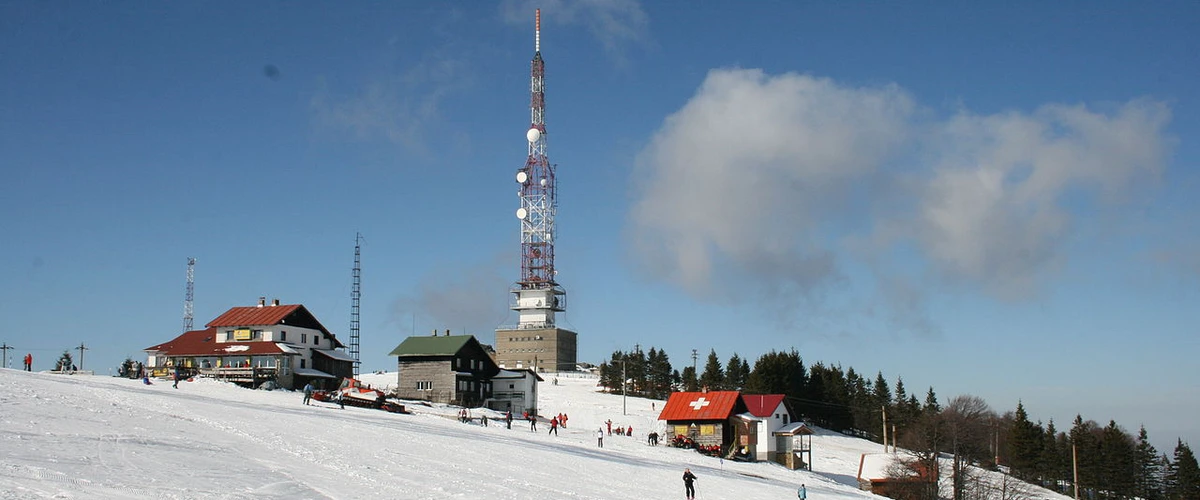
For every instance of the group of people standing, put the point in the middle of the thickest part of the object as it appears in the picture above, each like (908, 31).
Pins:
(28, 362)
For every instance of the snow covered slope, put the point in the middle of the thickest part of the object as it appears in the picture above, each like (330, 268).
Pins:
(102, 437)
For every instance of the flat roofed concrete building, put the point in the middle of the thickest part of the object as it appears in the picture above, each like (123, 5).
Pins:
(540, 349)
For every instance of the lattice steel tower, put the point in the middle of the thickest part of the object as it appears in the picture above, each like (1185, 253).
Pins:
(355, 295)
(187, 301)
(536, 341)
(538, 294)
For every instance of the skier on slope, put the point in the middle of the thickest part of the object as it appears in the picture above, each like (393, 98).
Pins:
(688, 478)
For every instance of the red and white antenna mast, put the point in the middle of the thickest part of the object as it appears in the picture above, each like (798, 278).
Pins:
(538, 295)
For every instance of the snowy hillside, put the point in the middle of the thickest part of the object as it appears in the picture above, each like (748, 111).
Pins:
(102, 437)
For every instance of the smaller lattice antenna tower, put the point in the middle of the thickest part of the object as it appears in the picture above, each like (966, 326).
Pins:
(187, 300)
(355, 296)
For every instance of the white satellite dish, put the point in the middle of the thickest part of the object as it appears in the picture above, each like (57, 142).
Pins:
(522, 177)
(543, 182)
(522, 213)
(533, 134)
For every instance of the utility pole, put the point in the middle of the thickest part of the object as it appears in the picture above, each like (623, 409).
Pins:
(624, 392)
(885, 436)
(5, 348)
(81, 349)
(1075, 469)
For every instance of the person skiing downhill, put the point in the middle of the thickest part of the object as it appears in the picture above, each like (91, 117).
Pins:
(688, 478)
(553, 426)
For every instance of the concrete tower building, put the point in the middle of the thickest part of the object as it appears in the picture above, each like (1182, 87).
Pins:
(536, 341)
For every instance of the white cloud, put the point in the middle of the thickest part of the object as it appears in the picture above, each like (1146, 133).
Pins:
(994, 209)
(470, 297)
(762, 186)
(737, 184)
(401, 107)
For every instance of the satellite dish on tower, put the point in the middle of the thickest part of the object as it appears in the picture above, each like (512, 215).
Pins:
(533, 134)
(522, 177)
(543, 182)
(522, 213)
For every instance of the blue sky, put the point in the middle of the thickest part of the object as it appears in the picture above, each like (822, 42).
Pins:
(992, 200)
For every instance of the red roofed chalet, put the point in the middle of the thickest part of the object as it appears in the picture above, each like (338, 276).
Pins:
(703, 417)
(251, 345)
(765, 414)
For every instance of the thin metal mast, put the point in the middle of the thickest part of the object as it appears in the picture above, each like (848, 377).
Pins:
(187, 301)
(355, 296)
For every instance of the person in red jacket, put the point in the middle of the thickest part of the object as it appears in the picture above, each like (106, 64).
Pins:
(28, 362)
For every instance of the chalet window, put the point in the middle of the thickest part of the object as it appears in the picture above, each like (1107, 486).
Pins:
(424, 385)
(303, 338)
(283, 336)
(256, 335)
(301, 363)
(316, 340)
(785, 419)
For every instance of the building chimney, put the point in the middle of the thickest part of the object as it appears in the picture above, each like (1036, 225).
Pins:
(262, 301)
(447, 332)
(275, 302)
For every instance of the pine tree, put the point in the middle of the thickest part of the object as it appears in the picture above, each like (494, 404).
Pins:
(659, 374)
(688, 379)
(1023, 445)
(713, 377)
(1117, 461)
(736, 371)
(64, 362)
(1148, 479)
(1087, 450)
(1051, 466)
(931, 403)
(1183, 477)
(777, 373)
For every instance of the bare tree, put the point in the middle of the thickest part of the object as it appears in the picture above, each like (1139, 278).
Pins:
(967, 423)
(921, 444)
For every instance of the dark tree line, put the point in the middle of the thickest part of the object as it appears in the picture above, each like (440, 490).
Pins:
(1111, 463)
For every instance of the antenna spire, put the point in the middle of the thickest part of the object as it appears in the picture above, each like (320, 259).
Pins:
(537, 30)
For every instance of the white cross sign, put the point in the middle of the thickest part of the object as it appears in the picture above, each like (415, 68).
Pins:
(699, 403)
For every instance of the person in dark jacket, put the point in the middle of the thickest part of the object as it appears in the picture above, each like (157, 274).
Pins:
(688, 478)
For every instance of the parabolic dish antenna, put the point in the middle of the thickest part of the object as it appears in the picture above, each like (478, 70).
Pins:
(543, 182)
(522, 177)
(522, 213)
(533, 134)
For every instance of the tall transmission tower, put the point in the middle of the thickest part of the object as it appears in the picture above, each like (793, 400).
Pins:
(187, 300)
(355, 296)
(538, 294)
